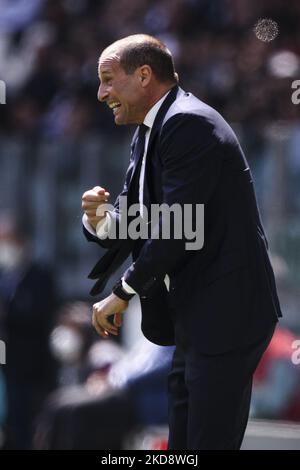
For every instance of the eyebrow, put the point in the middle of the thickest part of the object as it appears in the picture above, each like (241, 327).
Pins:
(104, 75)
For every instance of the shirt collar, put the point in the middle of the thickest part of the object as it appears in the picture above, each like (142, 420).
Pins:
(151, 115)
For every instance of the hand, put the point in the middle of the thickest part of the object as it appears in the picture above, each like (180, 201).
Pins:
(112, 305)
(91, 200)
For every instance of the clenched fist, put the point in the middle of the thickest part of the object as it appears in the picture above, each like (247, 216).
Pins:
(91, 202)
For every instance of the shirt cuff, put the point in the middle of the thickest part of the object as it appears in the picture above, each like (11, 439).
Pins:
(103, 226)
(127, 288)
(88, 226)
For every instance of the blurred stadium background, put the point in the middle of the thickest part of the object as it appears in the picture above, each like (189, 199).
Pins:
(56, 140)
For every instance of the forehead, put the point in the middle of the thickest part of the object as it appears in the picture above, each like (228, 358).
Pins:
(109, 61)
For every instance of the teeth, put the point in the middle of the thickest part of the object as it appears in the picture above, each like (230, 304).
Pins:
(114, 105)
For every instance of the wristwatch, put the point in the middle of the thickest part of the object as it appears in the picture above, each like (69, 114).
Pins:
(121, 293)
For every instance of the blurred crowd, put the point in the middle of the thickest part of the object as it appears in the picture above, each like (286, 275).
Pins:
(49, 51)
(63, 394)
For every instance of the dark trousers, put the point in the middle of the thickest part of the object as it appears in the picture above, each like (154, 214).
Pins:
(209, 399)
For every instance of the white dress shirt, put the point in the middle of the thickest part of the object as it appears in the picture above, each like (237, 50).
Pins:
(104, 227)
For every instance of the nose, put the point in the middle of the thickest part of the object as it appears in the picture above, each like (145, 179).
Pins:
(102, 92)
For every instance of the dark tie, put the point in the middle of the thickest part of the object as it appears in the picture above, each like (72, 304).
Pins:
(138, 153)
(139, 149)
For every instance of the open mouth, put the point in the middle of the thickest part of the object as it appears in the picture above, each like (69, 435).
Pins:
(114, 106)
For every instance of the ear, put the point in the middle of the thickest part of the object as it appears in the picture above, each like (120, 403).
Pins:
(145, 75)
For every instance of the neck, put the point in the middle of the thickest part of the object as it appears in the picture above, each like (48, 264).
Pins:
(152, 97)
(158, 93)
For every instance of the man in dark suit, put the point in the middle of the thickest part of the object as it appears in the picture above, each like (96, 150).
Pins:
(218, 303)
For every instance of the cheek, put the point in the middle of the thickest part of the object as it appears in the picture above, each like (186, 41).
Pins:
(129, 92)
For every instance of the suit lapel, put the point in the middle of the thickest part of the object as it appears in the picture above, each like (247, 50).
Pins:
(156, 125)
(161, 114)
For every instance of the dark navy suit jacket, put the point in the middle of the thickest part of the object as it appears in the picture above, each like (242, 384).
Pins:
(223, 295)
